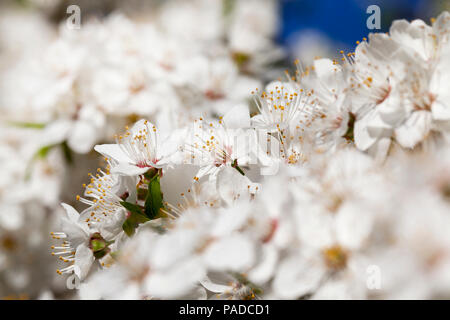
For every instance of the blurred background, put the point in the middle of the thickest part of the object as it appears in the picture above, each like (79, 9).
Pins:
(305, 26)
(321, 28)
(286, 30)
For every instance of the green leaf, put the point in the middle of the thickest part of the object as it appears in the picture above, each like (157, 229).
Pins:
(160, 225)
(154, 199)
(132, 222)
(29, 125)
(114, 254)
(133, 208)
(241, 59)
(40, 154)
(24, 3)
(100, 254)
(136, 217)
(128, 227)
(228, 7)
(67, 152)
(43, 152)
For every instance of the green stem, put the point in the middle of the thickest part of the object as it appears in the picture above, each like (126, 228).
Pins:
(235, 165)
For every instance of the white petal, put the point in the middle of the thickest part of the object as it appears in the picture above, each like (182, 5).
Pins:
(176, 281)
(414, 35)
(440, 110)
(237, 118)
(353, 225)
(363, 139)
(264, 270)
(56, 132)
(297, 277)
(414, 130)
(82, 137)
(72, 214)
(341, 289)
(128, 169)
(232, 185)
(230, 221)
(112, 226)
(176, 181)
(207, 170)
(75, 231)
(185, 242)
(84, 257)
(314, 227)
(233, 253)
(324, 67)
(113, 151)
(326, 71)
(258, 121)
(377, 127)
(11, 216)
(212, 286)
(391, 110)
(380, 149)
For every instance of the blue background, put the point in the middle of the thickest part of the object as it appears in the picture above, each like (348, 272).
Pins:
(344, 21)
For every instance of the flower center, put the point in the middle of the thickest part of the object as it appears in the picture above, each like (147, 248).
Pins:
(335, 258)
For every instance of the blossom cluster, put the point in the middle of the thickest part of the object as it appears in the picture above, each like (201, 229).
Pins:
(332, 183)
(212, 210)
(62, 91)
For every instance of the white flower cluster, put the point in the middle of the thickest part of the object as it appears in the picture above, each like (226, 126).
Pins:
(85, 83)
(62, 91)
(290, 202)
(332, 184)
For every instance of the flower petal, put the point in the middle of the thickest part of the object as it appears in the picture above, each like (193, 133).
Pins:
(237, 118)
(84, 257)
(231, 253)
(128, 169)
(414, 130)
(113, 151)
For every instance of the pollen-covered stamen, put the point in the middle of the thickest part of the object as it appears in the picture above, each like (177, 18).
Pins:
(223, 154)
(58, 235)
(213, 143)
(69, 269)
(292, 140)
(282, 105)
(200, 148)
(103, 199)
(348, 58)
(64, 251)
(335, 258)
(240, 289)
(189, 200)
(371, 84)
(368, 78)
(141, 144)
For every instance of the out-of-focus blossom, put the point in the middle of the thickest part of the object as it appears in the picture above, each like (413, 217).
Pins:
(338, 170)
